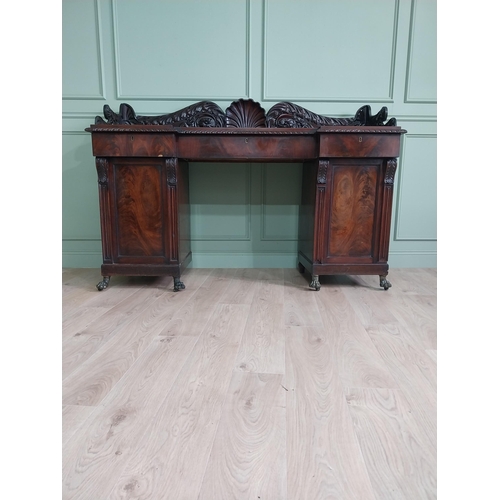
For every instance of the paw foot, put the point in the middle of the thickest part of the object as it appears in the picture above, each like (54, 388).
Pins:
(315, 284)
(178, 285)
(103, 284)
(385, 283)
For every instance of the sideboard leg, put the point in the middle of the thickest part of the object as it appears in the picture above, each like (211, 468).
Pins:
(315, 282)
(178, 284)
(384, 282)
(102, 285)
(301, 268)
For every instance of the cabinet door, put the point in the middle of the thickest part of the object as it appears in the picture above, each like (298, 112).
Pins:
(353, 211)
(139, 200)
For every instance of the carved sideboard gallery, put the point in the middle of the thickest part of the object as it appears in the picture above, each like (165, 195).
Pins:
(143, 175)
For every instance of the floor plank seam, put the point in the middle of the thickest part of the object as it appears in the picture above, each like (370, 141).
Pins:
(221, 407)
(360, 450)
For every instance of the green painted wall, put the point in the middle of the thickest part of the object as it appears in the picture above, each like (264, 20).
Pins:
(330, 56)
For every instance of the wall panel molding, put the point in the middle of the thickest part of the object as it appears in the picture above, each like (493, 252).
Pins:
(408, 98)
(417, 118)
(244, 259)
(400, 188)
(120, 95)
(409, 259)
(75, 132)
(101, 96)
(389, 98)
(264, 234)
(79, 115)
(81, 239)
(247, 236)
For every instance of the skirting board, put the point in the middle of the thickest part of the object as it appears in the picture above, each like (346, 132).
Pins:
(253, 260)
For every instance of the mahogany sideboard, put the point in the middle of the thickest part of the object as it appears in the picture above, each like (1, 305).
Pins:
(143, 176)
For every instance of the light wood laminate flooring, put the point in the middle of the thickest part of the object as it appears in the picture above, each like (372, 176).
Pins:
(249, 385)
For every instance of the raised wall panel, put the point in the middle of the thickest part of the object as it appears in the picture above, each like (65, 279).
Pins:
(421, 73)
(281, 192)
(416, 202)
(329, 51)
(192, 49)
(80, 200)
(220, 201)
(82, 71)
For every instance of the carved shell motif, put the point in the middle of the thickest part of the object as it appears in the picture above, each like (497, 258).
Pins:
(245, 113)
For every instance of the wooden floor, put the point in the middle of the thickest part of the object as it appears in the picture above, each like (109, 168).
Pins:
(249, 385)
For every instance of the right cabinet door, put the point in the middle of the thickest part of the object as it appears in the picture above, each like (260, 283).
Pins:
(353, 211)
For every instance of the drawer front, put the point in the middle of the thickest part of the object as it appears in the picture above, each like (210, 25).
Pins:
(133, 144)
(359, 145)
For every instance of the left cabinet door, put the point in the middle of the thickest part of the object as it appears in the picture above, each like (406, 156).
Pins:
(139, 214)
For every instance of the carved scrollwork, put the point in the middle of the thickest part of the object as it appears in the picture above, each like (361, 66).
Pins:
(171, 171)
(102, 171)
(322, 170)
(390, 172)
(245, 113)
(201, 114)
(289, 115)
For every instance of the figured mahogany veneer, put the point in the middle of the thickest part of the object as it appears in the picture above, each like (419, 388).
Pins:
(347, 184)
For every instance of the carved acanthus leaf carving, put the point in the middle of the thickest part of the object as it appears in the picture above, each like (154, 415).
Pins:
(322, 171)
(102, 171)
(171, 171)
(201, 114)
(289, 115)
(245, 113)
(390, 172)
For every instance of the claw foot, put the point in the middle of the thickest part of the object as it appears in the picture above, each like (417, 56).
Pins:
(103, 284)
(315, 282)
(178, 284)
(384, 282)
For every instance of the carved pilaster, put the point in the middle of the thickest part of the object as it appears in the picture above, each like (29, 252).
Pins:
(102, 171)
(390, 172)
(322, 171)
(102, 166)
(172, 199)
(171, 171)
(385, 225)
(319, 226)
